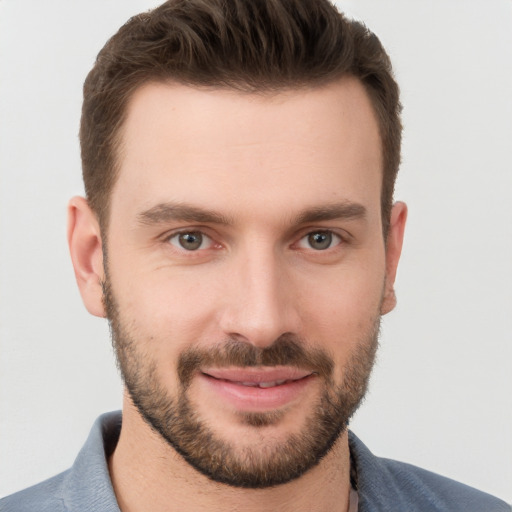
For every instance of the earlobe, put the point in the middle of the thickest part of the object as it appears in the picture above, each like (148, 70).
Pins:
(394, 242)
(85, 246)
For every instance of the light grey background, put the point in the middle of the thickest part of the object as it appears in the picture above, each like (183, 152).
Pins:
(441, 393)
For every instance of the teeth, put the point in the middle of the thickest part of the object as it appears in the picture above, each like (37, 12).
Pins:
(270, 384)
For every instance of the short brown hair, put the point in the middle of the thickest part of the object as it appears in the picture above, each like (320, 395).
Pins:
(248, 45)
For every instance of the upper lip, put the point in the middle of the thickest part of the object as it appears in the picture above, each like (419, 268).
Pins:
(257, 375)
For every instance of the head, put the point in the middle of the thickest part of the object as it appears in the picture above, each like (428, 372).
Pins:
(239, 234)
(256, 47)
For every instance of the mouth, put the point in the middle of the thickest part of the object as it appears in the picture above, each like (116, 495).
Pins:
(257, 389)
(259, 376)
(269, 384)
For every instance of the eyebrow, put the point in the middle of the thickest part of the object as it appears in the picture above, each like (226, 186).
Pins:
(344, 210)
(168, 212)
(172, 212)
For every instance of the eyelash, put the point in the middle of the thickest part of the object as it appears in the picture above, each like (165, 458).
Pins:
(332, 237)
(176, 236)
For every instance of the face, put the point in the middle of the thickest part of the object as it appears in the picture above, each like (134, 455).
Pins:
(247, 271)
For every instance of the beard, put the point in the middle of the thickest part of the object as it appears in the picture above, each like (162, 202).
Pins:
(262, 465)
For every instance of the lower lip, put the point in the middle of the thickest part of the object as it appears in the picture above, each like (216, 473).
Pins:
(256, 399)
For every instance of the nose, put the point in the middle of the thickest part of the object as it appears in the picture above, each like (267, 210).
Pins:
(260, 303)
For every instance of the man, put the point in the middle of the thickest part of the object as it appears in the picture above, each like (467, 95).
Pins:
(239, 160)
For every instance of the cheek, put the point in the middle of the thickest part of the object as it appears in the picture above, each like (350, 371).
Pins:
(341, 309)
(163, 317)
(167, 310)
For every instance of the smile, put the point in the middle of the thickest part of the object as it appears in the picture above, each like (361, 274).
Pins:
(257, 389)
(263, 384)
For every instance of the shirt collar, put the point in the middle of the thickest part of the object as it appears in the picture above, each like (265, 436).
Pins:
(87, 486)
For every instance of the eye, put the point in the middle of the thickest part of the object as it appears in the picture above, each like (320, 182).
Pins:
(190, 240)
(319, 240)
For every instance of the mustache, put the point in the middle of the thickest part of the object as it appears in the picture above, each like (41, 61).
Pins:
(287, 350)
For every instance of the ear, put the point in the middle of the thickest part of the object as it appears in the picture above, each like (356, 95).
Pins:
(393, 250)
(85, 246)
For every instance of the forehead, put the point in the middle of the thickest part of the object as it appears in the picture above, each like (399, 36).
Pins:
(223, 148)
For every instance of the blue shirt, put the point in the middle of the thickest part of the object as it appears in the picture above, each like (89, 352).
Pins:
(383, 485)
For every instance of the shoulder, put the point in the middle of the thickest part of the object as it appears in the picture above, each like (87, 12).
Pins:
(439, 492)
(86, 486)
(43, 497)
(386, 484)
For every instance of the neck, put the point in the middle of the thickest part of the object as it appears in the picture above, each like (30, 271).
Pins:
(148, 474)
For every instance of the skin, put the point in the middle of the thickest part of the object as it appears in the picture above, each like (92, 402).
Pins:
(261, 163)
